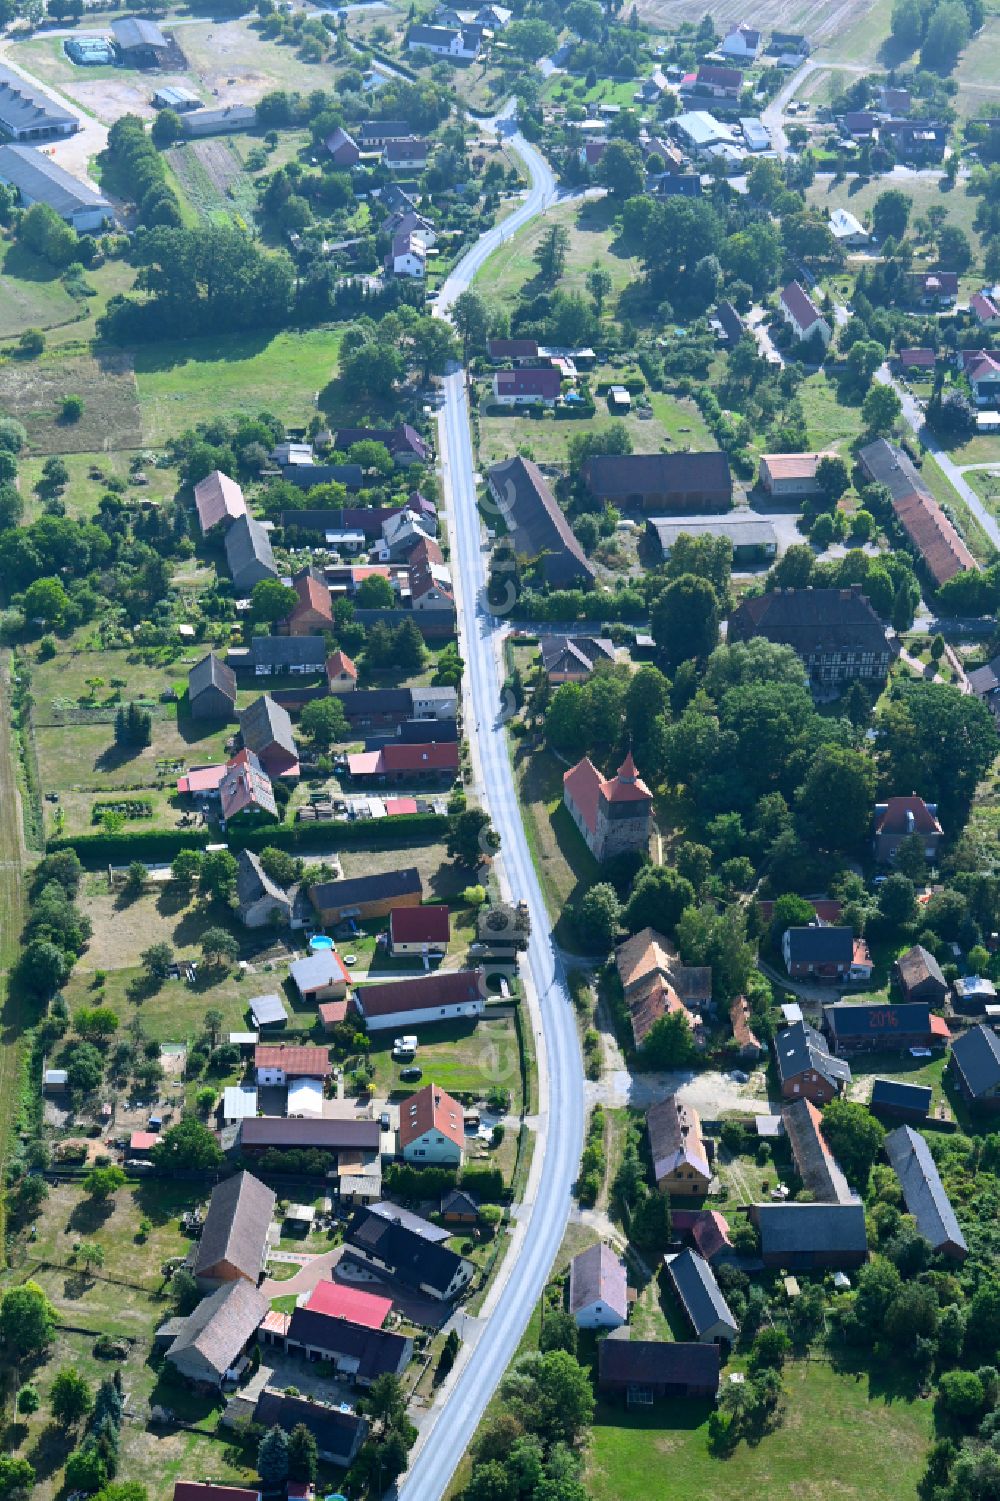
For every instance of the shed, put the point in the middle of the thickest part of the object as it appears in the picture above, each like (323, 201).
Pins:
(268, 1011)
(701, 1298)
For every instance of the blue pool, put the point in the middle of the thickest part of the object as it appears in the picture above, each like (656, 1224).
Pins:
(320, 941)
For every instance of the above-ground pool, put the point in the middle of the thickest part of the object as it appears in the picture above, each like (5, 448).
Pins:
(320, 941)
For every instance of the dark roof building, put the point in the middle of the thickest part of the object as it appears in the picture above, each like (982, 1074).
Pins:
(391, 1247)
(267, 731)
(359, 1352)
(338, 1434)
(210, 1341)
(534, 516)
(404, 443)
(259, 898)
(366, 897)
(233, 1242)
(818, 1169)
(212, 689)
(920, 976)
(908, 1102)
(930, 532)
(139, 39)
(835, 631)
(248, 554)
(701, 1297)
(27, 113)
(298, 654)
(677, 482)
(730, 324)
(975, 1061)
(911, 1161)
(214, 122)
(811, 1237)
(286, 1133)
(854, 1027)
(806, 1066)
(642, 1370)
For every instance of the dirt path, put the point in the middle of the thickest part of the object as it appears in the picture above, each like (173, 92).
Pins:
(13, 1017)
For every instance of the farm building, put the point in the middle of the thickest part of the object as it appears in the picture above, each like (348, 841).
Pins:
(177, 98)
(140, 43)
(29, 114)
(38, 179)
(89, 51)
(216, 122)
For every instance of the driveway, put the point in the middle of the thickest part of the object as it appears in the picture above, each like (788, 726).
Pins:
(75, 152)
(710, 1094)
(316, 1269)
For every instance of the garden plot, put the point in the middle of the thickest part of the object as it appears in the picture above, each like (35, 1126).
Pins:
(214, 180)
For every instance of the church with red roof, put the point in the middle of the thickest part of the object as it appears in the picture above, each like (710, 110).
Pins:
(612, 813)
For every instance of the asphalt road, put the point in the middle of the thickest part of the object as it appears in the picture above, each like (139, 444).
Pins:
(492, 1338)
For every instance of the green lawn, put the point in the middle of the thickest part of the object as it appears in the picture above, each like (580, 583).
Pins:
(458, 1056)
(200, 379)
(842, 1435)
(591, 239)
(85, 488)
(922, 192)
(564, 864)
(946, 495)
(858, 42)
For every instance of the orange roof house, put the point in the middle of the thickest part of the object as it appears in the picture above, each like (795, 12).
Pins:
(431, 1127)
(656, 984)
(218, 499)
(313, 614)
(341, 673)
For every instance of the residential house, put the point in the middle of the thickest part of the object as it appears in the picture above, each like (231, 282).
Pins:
(261, 902)
(218, 501)
(296, 656)
(313, 613)
(277, 1064)
(835, 631)
(753, 538)
(392, 1248)
(36, 178)
(646, 1370)
(680, 1157)
(403, 443)
(246, 794)
(707, 1231)
(238, 1102)
(407, 255)
(652, 88)
(523, 387)
(744, 1036)
(984, 682)
(920, 977)
(894, 102)
(614, 814)
(419, 930)
(932, 289)
(802, 314)
(363, 898)
(742, 44)
(847, 230)
(720, 84)
(975, 1066)
(927, 528)
(917, 360)
(343, 148)
(670, 482)
(983, 375)
(451, 995)
(536, 523)
(924, 1193)
(826, 954)
(918, 143)
(407, 155)
(458, 44)
(266, 729)
(728, 325)
(973, 994)
(341, 673)
(207, 1347)
(339, 1433)
(817, 1166)
(859, 1028)
(790, 476)
(518, 351)
(655, 983)
(598, 1289)
(858, 124)
(806, 1067)
(898, 819)
(27, 113)
(432, 1128)
(212, 689)
(234, 1239)
(436, 762)
(572, 659)
(494, 17)
(321, 976)
(984, 305)
(248, 554)
(357, 1352)
(898, 1101)
(811, 1237)
(371, 135)
(700, 1296)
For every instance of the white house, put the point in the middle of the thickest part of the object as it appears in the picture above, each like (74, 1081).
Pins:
(457, 995)
(278, 1064)
(848, 230)
(463, 44)
(799, 310)
(400, 534)
(432, 1127)
(523, 388)
(598, 1289)
(742, 44)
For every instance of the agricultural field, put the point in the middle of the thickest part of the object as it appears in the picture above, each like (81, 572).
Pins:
(33, 391)
(976, 74)
(213, 179)
(230, 63)
(825, 21)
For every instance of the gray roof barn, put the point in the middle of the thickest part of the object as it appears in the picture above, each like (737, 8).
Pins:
(707, 1310)
(135, 32)
(911, 1161)
(264, 724)
(279, 653)
(904, 1101)
(248, 553)
(27, 112)
(234, 1241)
(818, 1169)
(976, 1056)
(533, 515)
(210, 1341)
(255, 887)
(41, 180)
(803, 1237)
(338, 1434)
(211, 688)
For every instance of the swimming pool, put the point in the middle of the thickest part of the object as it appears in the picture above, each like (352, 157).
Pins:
(320, 941)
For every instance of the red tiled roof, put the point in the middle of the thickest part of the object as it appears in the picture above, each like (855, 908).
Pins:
(583, 785)
(340, 664)
(800, 305)
(218, 498)
(825, 908)
(985, 307)
(544, 383)
(196, 1490)
(431, 1109)
(917, 359)
(313, 595)
(304, 1061)
(424, 993)
(332, 1013)
(202, 779)
(895, 817)
(350, 1303)
(439, 756)
(939, 1028)
(142, 1141)
(394, 806)
(420, 924)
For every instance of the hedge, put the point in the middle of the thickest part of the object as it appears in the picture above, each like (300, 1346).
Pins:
(164, 844)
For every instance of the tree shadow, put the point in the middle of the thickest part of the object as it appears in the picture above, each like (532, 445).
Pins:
(22, 263)
(116, 756)
(172, 899)
(77, 1285)
(154, 358)
(90, 1215)
(50, 1450)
